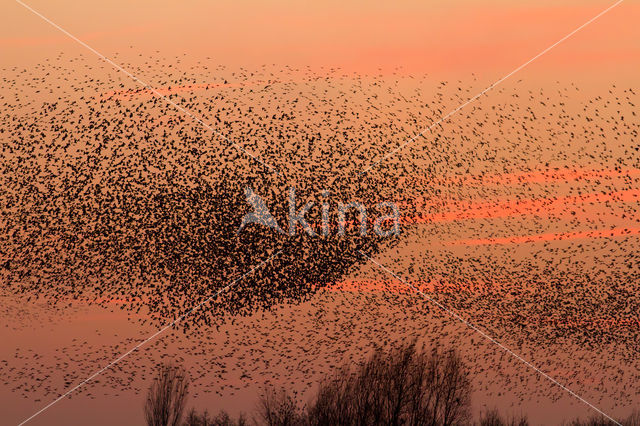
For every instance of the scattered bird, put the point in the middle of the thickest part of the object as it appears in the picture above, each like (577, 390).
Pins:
(111, 196)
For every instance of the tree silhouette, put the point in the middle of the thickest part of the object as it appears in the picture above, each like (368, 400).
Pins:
(167, 397)
(404, 386)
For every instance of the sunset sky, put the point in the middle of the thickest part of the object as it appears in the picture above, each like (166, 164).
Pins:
(444, 38)
(519, 207)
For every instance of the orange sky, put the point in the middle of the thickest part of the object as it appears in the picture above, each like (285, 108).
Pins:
(446, 39)
(438, 37)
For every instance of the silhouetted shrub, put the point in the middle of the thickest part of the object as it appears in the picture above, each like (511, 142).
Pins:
(632, 420)
(222, 419)
(493, 418)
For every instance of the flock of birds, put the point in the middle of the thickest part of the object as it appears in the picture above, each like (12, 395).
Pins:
(111, 196)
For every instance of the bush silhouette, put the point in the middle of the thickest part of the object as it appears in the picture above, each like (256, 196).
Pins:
(222, 419)
(493, 418)
(632, 420)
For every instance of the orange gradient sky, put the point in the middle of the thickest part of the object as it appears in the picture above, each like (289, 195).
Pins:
(435, 37)
(546, 187)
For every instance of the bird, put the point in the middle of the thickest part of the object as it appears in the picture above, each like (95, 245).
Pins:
(518, 213)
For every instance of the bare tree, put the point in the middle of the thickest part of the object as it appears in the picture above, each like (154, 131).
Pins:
(401, 387)
(278, 408)
(167, 397)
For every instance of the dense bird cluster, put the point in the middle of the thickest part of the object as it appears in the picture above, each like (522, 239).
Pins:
(112, 195)
(136, 200)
